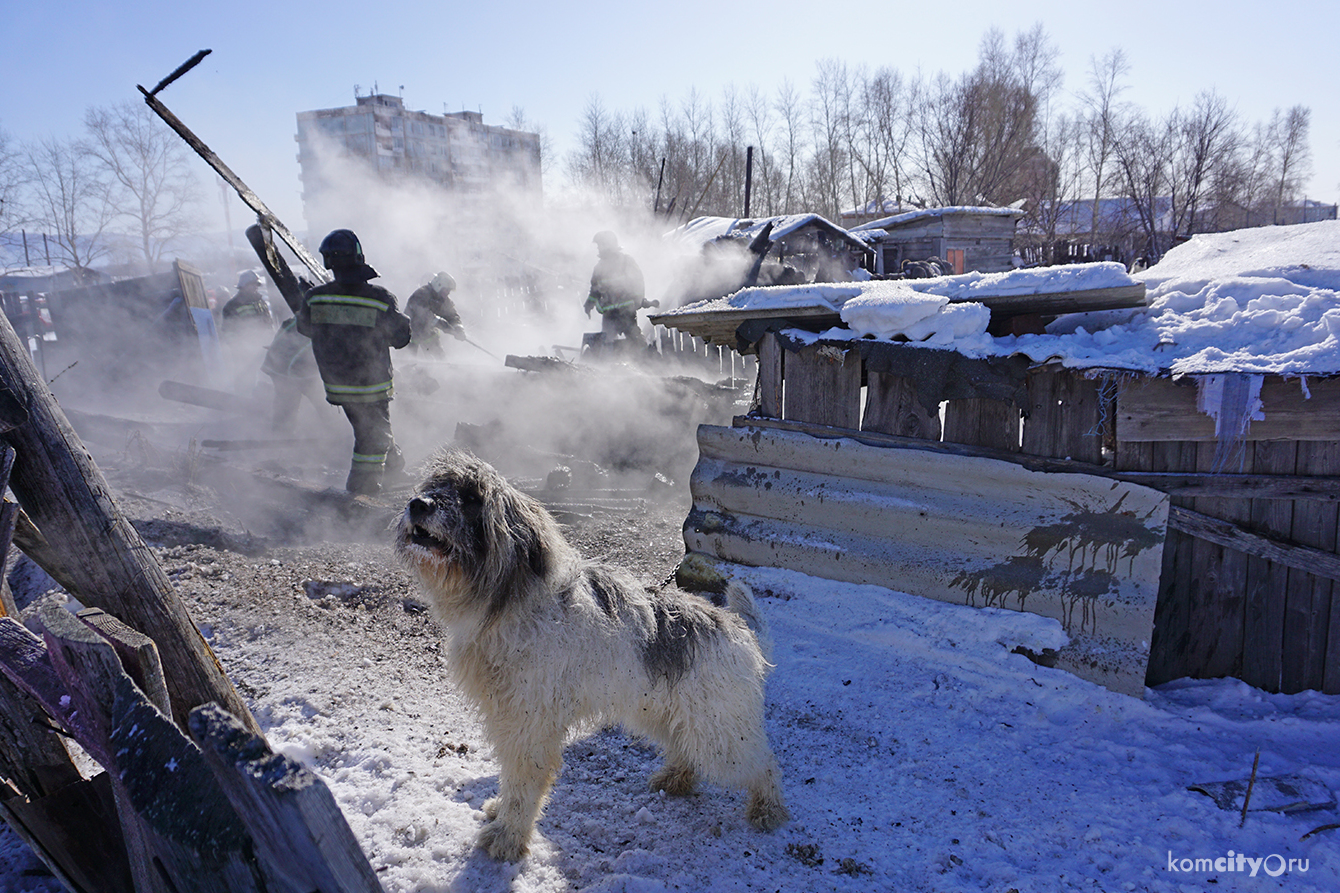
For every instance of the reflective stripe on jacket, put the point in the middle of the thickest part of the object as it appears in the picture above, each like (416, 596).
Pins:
(353, 327)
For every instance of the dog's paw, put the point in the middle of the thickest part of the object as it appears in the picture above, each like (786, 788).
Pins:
(677, 781)
(766, 813)
(490, 808)
(503, 842)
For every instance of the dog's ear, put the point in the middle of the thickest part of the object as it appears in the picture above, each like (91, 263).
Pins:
(528, 523)
(533, 549)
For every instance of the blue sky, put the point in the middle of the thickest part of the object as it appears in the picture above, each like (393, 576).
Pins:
(272, 60)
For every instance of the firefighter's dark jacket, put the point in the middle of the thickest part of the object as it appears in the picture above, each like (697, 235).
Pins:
(429, 309)
(616, 284)
(248, 304)
(353, 326)
(290, 353)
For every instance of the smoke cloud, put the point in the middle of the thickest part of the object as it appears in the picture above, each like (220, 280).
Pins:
(522, 264)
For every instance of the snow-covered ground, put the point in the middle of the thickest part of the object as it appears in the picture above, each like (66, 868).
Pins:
(919, 752)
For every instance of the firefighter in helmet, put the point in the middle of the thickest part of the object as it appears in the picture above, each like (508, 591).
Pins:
(431, 312)
(617, 291)
(248, 308)
(353, 325)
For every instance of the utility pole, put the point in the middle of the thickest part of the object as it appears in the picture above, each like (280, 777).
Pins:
(748, 176)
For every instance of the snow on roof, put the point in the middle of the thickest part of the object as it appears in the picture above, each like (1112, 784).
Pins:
(899, 219)
(1258, 301)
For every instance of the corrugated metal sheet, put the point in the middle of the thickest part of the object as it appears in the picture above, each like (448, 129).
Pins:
(976, 531)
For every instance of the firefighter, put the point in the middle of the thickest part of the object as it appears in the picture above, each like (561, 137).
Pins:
(292, 370)
(617, 291)
(248, 307)
(353, 325)
(431, 311)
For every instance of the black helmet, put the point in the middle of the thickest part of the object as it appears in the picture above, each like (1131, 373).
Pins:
(341, 249)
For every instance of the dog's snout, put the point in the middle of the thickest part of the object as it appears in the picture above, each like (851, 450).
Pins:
(420, 508)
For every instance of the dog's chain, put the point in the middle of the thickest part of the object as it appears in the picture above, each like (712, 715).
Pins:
(670, 576)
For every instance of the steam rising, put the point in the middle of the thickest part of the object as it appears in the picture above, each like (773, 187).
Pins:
(522, 267)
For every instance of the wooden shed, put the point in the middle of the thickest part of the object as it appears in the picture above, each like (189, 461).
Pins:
(722, 254)
(970, 238)
(1248, 567)
(135, 331)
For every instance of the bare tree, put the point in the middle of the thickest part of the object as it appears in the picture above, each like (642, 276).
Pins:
(518, 120)
(977, 132)
(1293, 156)
(641, 153)
(758, 113)
(730, 183)
(1055, 180)
(9, 181)
(146, 168)
(1208, 141)
(1251, 190)
(1144, 155)
(597, 161)
(829, 125)
(1035, 63)
(884, 130)
(790, 111)
(1100, 124)
(65, 198)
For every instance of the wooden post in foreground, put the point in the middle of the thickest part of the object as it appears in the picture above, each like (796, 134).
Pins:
(64, 493)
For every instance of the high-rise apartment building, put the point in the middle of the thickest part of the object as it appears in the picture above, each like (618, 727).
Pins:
(456, 150)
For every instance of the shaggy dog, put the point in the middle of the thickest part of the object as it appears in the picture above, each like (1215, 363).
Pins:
(543, 641)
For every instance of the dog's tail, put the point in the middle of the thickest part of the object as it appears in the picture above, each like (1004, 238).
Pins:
(740, 599)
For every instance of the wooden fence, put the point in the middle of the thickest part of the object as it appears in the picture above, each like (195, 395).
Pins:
(1250, 564)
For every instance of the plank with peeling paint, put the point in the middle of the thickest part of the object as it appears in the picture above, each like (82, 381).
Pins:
(1082, 549)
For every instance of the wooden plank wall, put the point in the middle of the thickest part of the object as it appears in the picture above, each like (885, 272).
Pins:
(1223, 613)
(1220, 612)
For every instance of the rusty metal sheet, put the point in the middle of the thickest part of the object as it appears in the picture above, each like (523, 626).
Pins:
(1082, 549)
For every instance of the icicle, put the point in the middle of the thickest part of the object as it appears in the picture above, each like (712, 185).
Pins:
(1233, 400)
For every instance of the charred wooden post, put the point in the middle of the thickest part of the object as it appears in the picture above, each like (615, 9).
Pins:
(302, 840)
(71, 823)
(263, 213)
(261, 238)
(179, 832)
(64, 493)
